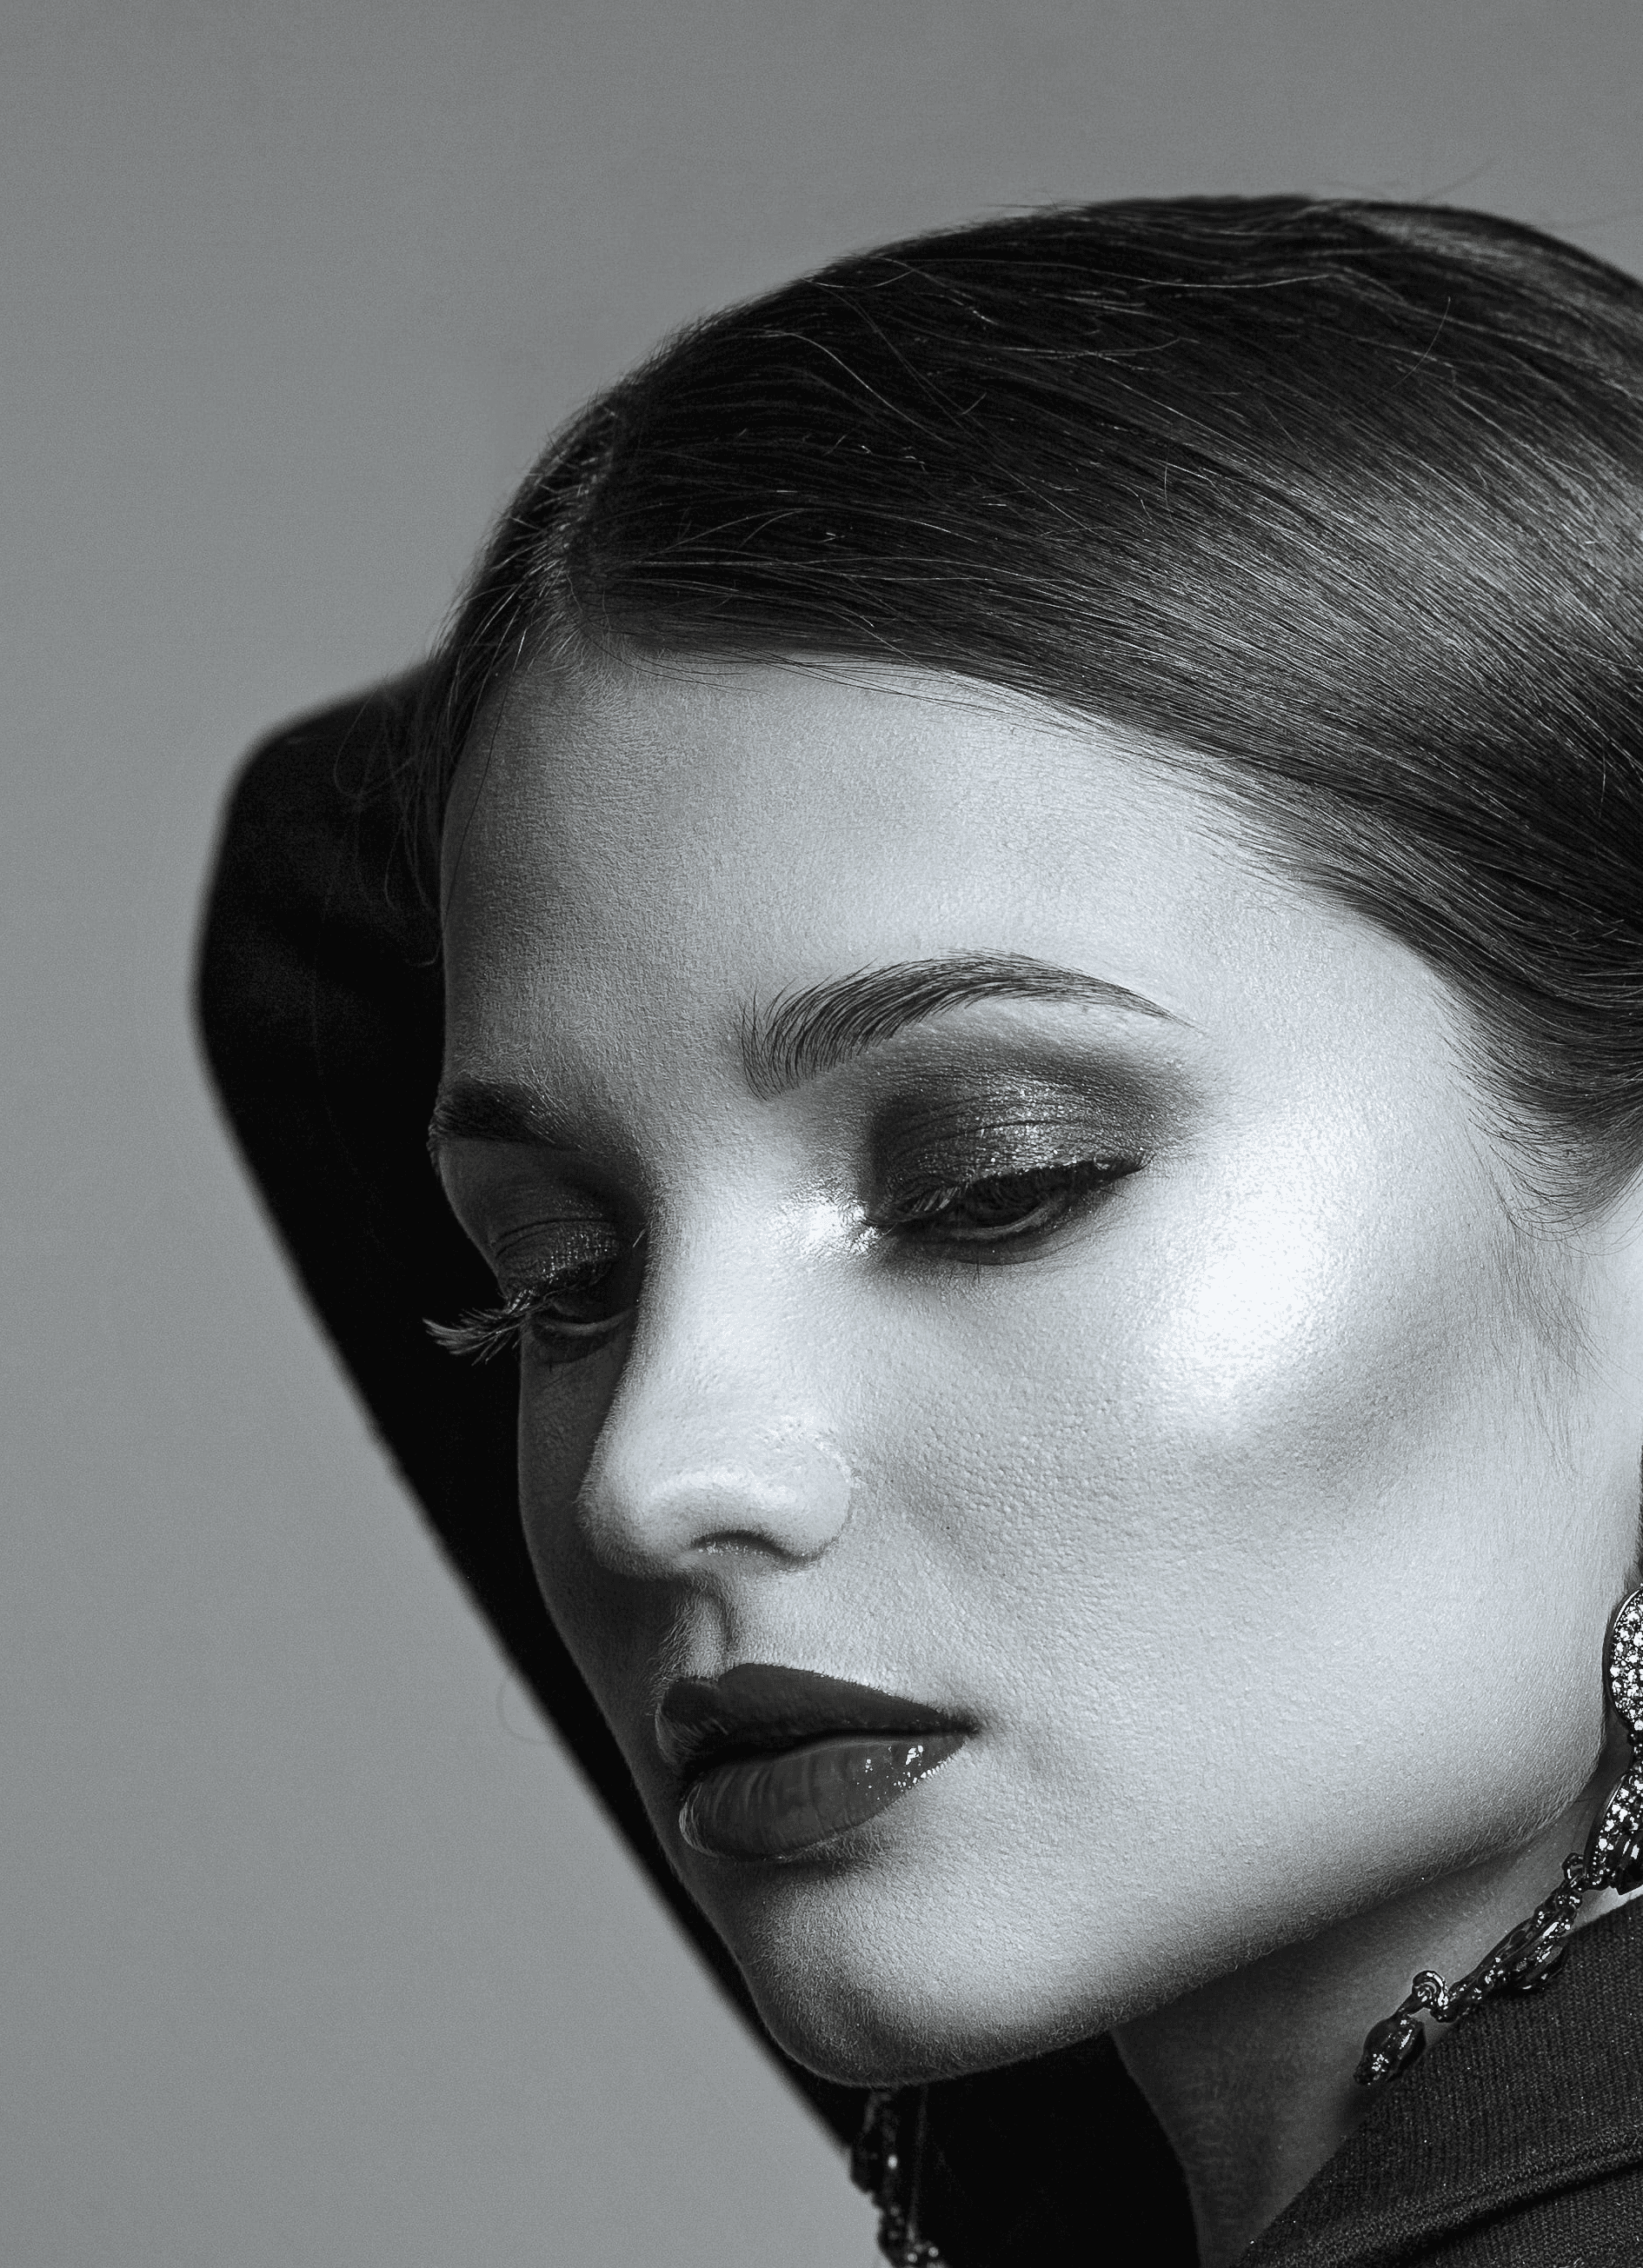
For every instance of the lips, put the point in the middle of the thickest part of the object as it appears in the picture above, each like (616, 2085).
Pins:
(775, 1762)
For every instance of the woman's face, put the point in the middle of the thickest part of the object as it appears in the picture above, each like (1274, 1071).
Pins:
(992, 1241)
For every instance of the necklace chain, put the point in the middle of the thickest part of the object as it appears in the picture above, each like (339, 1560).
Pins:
(1528, 1957)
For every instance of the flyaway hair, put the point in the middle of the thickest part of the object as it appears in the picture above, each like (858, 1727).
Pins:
(1339, 504)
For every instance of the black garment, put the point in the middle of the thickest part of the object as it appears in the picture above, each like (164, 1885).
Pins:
(1520, 2143)
(1517, 2143)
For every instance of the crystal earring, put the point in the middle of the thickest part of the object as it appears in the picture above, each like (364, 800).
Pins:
(888, 2161)
(1529, 1957)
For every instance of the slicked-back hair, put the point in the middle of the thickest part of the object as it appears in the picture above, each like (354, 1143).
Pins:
(1340, 503)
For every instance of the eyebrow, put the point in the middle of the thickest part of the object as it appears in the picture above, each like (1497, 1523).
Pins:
(799, 1035)
(493, 1110)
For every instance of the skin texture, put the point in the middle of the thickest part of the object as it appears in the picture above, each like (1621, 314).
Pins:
(1262, 1512)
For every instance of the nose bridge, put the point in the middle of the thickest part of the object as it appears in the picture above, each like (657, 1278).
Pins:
(717, 1438)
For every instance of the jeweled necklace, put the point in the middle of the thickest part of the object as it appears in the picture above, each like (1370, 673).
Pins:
(888, 2161)
(1529, 1956)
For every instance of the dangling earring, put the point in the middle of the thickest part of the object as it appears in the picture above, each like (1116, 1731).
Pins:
(888, 2161)
(1529, 1957)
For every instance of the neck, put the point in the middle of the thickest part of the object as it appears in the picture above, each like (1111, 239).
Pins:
(1251, 2076)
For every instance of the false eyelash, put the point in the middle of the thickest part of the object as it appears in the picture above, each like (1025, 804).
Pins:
(483, 1333)
(1075, 1179)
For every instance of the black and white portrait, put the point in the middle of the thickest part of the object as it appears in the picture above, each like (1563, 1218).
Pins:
(827, 1284)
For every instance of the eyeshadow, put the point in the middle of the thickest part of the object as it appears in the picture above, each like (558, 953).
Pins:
(958, 1122)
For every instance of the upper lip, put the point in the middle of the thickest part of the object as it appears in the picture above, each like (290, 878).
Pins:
(758, 1709)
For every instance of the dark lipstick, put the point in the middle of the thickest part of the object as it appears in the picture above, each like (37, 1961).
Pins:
(774, 1762)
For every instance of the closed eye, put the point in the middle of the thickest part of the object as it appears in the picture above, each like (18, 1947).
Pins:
(1002, 1208)
(563, 1316)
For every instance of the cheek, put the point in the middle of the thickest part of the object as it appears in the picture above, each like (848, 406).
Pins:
(1222, 1378)
(560, 1415)
(1288, 1350)
(1249, 1499)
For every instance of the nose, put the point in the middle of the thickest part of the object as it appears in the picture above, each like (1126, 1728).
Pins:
(687, 1465)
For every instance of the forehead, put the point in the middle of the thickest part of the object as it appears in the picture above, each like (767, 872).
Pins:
(649, 845)
(673, 770)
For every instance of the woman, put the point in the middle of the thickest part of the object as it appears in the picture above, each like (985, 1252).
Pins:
(1032, 849)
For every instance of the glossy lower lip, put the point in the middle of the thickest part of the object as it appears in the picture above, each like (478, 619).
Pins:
(776, 1805)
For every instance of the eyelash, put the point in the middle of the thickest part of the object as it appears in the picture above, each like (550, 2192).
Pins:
(1056, 1192)
(483, 1333)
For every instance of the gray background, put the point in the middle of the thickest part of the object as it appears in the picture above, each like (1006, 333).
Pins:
(316, 1950)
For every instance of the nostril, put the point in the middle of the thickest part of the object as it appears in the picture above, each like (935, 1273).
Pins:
(794, 1501)
(785, 1494)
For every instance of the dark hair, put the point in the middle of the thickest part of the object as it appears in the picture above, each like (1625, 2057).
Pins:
(1342, 500)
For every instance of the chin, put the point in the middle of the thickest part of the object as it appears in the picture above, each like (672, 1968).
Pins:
(866, 2008)
(860, 2037)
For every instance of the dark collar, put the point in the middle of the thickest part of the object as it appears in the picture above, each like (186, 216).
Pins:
(1529, 2098)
